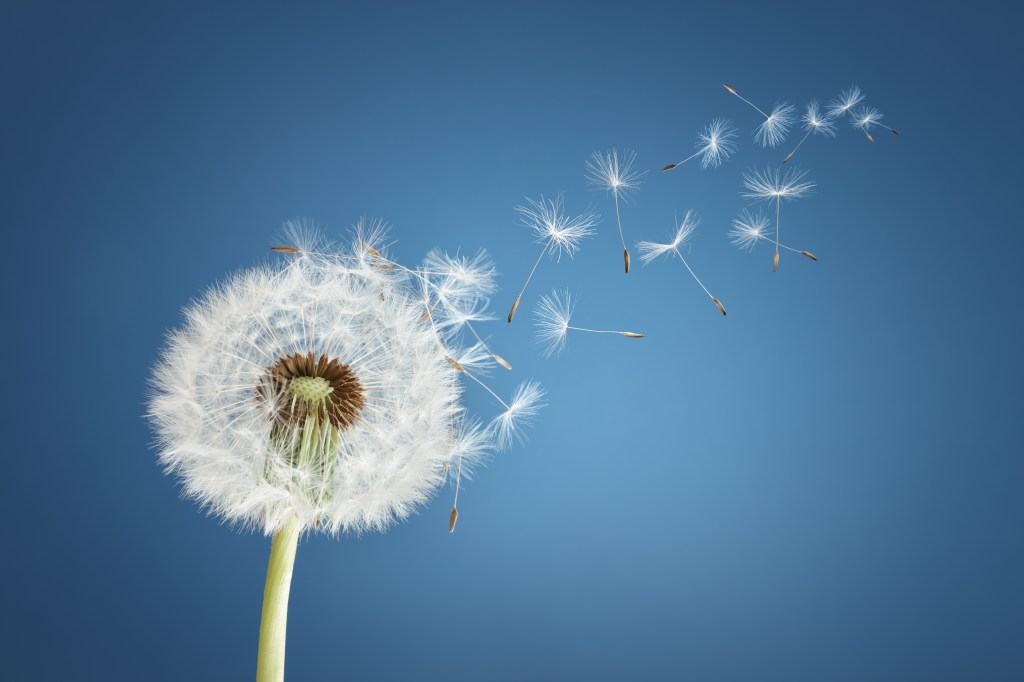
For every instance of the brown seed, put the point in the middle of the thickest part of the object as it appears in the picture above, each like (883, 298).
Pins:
(455, 363)
(719, 304)
(426, 315)
(869, 136)
(775, 264)
(284, 249)
(512, 313)
(632, 335)
(730, 88)
(895, 132)
(373, 252)
(809, 255)
(501, 361)
(452, 519)
(789, 157)
(625, 257)
(381, 266)
(669, 167)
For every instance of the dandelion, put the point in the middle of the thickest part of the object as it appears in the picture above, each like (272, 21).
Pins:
(776, 124)
(558, 233)
(650, 251)
(847, 99)
(865, 118)
(715, 143)
(606, 171)
(815, 123)
(552, 318)
(313, 397)
(749, 229)
(774, 185)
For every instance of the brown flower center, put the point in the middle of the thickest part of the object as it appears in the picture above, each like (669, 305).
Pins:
(324, 388)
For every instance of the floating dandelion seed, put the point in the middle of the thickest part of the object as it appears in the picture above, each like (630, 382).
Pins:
(865, 118)
(558, 233)
(815, 123)
(748, 229)
(606, 171)
(774, 185)
(314, 396)
(649, 251)
(776, 124)
(847, 99)
(715, 143)
(552, 317)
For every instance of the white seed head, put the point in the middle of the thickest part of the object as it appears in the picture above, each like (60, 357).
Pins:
(547, 219)
(312, 389)
(749, 228)
(775, 127)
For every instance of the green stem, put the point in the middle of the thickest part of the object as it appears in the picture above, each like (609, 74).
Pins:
(274, 623)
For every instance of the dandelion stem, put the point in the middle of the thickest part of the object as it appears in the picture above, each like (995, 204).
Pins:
(274, 623)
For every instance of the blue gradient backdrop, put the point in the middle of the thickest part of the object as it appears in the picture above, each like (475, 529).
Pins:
(826, 485)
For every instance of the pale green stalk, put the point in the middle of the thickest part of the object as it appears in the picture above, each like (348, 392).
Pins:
(274, 624)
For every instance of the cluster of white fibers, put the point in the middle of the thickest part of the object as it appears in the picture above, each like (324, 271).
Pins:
(246, 417)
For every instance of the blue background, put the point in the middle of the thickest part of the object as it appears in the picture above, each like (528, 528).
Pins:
(826, 485)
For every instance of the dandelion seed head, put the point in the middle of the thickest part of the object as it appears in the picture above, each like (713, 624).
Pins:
(776, 126)
(551, 318)
(815, 121)
(749, 228)
(313, 389)
(716, 142)
(607, 171)
(549, 223)
(775, 184)
(847, 99)
(650, 251)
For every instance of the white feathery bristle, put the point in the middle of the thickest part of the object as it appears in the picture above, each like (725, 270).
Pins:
(772, 183)
(716, 143)
(749, 228)
(815, 121)
(551, 318)
(865, 117)
(649, 251)
(775, 127)
(527, 400)
(606, 171)
(847, 99)
(547, 219)
(461, 280)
